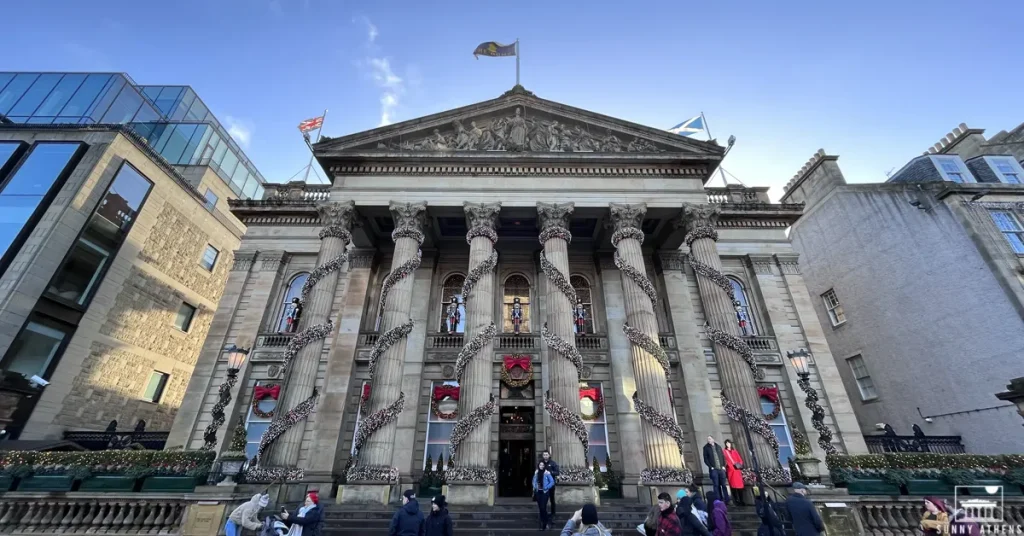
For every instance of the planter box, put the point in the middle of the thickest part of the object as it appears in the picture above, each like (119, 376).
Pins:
(929, 486)
(6, 482)
(46, 483)
(871, 486)
(108, 483)
(169, 483)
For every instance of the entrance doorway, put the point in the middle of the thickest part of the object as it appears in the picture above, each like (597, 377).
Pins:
(516, 457)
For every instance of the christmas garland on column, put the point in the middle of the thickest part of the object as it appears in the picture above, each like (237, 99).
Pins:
(571, 420)
(300, 412)
(817, 416)
(759, 426)
(460, 432)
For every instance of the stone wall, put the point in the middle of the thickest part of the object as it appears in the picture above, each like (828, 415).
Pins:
(176, 246)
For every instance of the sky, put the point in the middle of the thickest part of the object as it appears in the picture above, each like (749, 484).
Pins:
(873, 82)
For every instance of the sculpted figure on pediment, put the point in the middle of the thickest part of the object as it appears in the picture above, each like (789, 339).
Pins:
(517, 131)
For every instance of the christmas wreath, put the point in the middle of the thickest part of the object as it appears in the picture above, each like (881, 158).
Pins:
(772, 394)
(260, 393)
(364, 398)
(442, 392)
(594, 394)
(521, 361)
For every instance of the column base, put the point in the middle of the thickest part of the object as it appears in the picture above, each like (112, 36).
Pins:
(364, 493)
(469, 493)
(576, 494)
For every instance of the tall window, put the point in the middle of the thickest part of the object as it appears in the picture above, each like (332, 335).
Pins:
(953, 169)
(516, 286)
(835, 310)
(294, 291)
(35, 348)
(453, 287)
(76, 280)
(597, 426)
(439, 432)
(256, 425)
(585, 294)
(1006, 168)
(781, 430)
(183, 320)
(155, 387)
(744, 313)
(210, 199)
(865, 384)
(1010, 226)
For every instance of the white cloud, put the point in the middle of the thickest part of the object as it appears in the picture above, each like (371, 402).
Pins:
(388, 103)
(371, 29)
(239, 129)
(383, 75)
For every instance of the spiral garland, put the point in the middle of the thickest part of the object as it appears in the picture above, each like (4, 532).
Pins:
(637, 277)
(478, 271)
(557, 278)
(563, 348)
(660, 421)
(817, 416)
(223, 397)
(472, 348)
(570, 419)
(313, 333)
(759, 426)
(467, 424)
(737, 345)
(648, 344)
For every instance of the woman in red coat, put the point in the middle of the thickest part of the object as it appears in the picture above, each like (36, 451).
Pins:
(734, 471)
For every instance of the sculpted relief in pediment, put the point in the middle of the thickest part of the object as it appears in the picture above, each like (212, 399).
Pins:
(519, 133)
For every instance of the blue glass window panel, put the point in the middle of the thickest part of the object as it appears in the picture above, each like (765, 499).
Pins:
(197, 112)
(193, 150)
(146, 114)
(60, 95)
(152, 92)
(219, 151)
(240, 175)
(211, 148)
(85, 96)
(250, 188)
(187, 98)
(23, 193)
(107, 95)
(6, 150)
(168, 98)
(14, 90)
(40, 120)
(180, 135)
(4, 79)
(35, 94)
(145, 130)
(228, 166)
(124, 106)
(259, 193)
(124, 197)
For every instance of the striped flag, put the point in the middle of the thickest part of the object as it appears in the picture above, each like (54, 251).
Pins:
(689, 127)
(311, 124)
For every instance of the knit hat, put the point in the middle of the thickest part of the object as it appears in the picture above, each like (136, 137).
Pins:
(589, 514)
(799, 485)
(409, 494)
(440, 501)
(314, 497)
(680, 494)
(264, 501)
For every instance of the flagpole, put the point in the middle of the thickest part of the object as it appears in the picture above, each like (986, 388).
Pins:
(710, 137)
(312, 155)
(517, 61)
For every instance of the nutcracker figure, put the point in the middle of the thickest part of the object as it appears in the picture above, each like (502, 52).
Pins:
(453, 315)
(741, 318)
(580, 316)
(293, 316)
(517, 315)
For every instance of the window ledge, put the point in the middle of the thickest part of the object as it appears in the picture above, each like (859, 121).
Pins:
(839, 325)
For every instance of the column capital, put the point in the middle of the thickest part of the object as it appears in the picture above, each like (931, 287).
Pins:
(788, 263)
(271, 260)
(361, 258)
(243, 260)
(481, 220)
(412, 216)
(628, 216)
(672, 260)
(699, 215)
(553, 220)
(762, 264)
(337, 218)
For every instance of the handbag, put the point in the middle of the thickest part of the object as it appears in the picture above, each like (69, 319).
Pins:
(737, 466)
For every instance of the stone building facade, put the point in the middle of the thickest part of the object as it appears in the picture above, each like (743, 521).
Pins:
(919, 283)
(439, 278)
(108, 291)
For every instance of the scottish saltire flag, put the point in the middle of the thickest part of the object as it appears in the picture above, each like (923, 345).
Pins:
(491, 48)
(689, 127)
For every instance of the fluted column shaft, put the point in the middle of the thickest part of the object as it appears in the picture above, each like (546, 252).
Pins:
(660, 450)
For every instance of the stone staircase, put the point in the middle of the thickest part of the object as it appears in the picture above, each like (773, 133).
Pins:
(509, 518)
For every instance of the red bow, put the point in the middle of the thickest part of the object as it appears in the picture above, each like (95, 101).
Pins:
(521, 361)
(592, 393)
(446, 391)
(366, 392)
(272, 392)
(771, 393)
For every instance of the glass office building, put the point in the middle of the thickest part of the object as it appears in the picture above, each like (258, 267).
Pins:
(173, 119)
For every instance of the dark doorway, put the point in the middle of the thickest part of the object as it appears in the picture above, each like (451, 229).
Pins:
(516, 457)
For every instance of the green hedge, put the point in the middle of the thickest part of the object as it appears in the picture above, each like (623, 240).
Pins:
(954, 468)
(136, 463)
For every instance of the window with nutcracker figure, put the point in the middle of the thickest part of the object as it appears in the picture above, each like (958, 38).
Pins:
(453, 306)
(516, 305)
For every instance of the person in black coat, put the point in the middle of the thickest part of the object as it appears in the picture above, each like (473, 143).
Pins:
(695, 496)
(438, 522)
(714, 460)
(408, 520)
(805, 518)
(771, 525)
(552, 467)
(691, 525)
(309, 516)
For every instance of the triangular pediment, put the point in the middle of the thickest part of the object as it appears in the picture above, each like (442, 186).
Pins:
(518, 123)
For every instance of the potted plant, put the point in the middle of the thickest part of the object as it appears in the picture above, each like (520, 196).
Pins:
(177, 471)
(14, 465)
(613, 484)
(862, 474)
(53, 471)
(232, 460)
(805, 461)
(430, 483)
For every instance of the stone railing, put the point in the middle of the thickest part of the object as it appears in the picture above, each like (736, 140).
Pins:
(760, 342)
(297, 191)
(667, 341)
(524, 342)
(735, 193)
(445, 340)
(43, 513)
(888, 516)
(590, 341)
(273, 340)
(368, 338)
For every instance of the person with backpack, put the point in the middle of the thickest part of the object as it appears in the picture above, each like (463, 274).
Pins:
(246, 515)
(688, 520)
(408, 520)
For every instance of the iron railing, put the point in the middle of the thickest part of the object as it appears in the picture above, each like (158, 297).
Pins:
(881, 444)
(117, 440)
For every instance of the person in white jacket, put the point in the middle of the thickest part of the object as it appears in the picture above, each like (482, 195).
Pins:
(246, 516)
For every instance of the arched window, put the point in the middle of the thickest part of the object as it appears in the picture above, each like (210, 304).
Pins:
(585, 295)
(294, 291)
(452, 287)
(745, 313)
(516, 286)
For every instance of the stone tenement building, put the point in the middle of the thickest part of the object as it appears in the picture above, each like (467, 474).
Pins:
(919, 282)
(115, 246)
(509, 276)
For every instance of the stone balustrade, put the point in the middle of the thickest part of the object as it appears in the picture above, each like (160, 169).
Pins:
(757, 342)
(888, 517)
(297, 190)
(518, 342)
(46, 514)
(737, 194)
(590, 341)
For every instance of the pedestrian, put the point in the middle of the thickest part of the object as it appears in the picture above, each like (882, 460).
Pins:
(771, 525)
(688, 520)
(543, 484)
(714, 460)
(734, 471)
(585, 522)
(438, 522)
(935, 520)
(802, 513)
(246, 515)
(552, 467)
(408, 520)
(719, 516)
(700, 507)
(307, 519)
(668, 522)
(650, 525)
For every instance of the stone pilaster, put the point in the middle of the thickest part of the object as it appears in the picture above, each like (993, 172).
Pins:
(300, 379)
(736, 373)
(471, 482)
(563, 400)
(662, 438)
(374, 471)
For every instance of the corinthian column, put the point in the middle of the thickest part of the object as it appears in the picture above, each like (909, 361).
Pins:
(302, 355)
(662, 437)
(375, 439)
(569, 440)
(736, 366)
(471, 480)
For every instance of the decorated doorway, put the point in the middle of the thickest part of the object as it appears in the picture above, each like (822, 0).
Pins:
(516, 456)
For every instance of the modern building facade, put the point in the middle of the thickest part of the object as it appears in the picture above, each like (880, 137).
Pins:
(505, 277)
(919, 282)
(172, 119)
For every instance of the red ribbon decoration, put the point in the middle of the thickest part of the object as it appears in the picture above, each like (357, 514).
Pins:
(521, 361)
(272, 392)
(446, 391)
(366, 391)
(771, 393)
(592, 393)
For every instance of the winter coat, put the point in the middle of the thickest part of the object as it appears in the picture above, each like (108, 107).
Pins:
(689, 522)
(549, 482)
(935, 524)
(592, 530)
(551, 466)
(966, 528)
(668, 524)
(771, 525)
(439, 523)
(247, 515)
(734, 475)
(806, 521)
(721, 517)
(311, 523)
(714, 458)
(408, 520)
